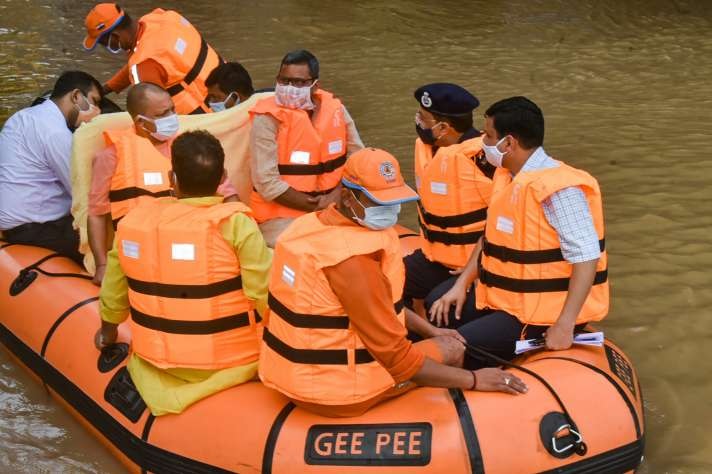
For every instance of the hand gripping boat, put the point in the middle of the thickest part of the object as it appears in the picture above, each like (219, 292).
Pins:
(48, 318)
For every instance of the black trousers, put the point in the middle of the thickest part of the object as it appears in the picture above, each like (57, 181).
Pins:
(58, 236)
(497, 332)
(494, 331)
(421, 277)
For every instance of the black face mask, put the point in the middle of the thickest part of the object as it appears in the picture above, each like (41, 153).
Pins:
(425, 134)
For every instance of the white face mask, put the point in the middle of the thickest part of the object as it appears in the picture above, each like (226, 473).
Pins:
(86, 114)
(166, 127)
(492, 153)
(377, 217)
(293, 97)
(117, 50)
(220, 106)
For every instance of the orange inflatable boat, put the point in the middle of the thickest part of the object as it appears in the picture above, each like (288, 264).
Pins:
(49, 315)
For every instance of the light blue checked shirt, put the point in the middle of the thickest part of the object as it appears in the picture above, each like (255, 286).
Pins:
(567, 211)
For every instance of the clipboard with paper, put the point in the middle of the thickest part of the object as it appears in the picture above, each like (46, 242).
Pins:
(585, 339)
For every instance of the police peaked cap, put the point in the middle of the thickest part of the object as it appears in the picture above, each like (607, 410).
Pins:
(447, 99)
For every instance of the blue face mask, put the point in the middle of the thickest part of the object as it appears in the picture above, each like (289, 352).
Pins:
(377, 217)
(220, 106)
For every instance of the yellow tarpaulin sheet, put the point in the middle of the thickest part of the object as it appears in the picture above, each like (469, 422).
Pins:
(231, 127)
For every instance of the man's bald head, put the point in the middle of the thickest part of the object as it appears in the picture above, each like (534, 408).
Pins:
(149, 100)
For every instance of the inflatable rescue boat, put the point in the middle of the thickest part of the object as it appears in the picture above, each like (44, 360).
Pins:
(583, 412)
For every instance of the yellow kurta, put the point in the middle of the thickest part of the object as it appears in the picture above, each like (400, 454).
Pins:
(173, 390)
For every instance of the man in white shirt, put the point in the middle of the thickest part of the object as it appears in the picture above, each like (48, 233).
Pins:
(35, 150)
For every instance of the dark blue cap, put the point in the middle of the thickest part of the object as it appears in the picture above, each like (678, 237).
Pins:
(447, 99)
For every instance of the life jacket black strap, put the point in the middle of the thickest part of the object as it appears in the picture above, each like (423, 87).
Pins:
(316, 169)
(134, 192)
(506, 254)
(544, 285)
(457, 220)
(194, 71)
(115, 222)
(314, 356)
(319, 193)
(314, 321)
(450, 238)
(174, 326)
(166, 290)
(311, 193)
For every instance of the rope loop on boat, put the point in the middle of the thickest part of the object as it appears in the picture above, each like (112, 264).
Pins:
(29, 274)
(580, 447)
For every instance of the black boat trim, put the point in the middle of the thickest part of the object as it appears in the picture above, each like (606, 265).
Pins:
(621, 392)
(273, 436)
(61, 319)
(148, 457)
(468, 431)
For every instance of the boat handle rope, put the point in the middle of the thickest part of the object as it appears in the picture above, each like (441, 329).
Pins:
(580, 447)
(29, 274)
(568, 428)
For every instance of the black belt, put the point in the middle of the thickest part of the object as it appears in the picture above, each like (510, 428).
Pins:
(450, 238)
(309, 170)
(457, 220)
(174, 326)
(314, 321)
(544, 285)
(314, 356)
(134, 192)
(194, 71)
(506, 254)
(166, 290)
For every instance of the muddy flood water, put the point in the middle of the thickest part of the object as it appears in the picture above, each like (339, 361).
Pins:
(626, 92)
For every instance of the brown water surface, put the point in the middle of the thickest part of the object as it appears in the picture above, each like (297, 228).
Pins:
(626, 91)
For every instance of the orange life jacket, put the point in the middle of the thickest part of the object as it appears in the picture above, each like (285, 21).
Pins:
(310, 155)
(188, 308)
(187, 58)
(454, 187)
(310, 350)
(522, 269)
(141, 172)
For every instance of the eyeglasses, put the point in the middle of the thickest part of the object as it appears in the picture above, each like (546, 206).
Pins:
(295, 81)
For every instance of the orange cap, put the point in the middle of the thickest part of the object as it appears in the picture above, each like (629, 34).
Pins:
(101, 20)
(377, 173)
